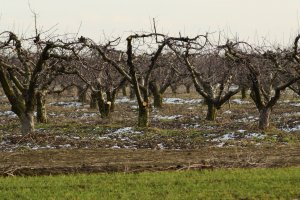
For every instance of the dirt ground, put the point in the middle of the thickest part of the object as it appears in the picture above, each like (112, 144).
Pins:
(46, 162)
(76, 139)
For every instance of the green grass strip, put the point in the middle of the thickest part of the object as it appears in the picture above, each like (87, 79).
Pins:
(280, 183)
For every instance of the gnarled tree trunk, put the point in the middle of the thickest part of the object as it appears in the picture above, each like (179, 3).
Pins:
(41, 113)
(157, 95)
(211, 111)
(111, 97)
(143, 118)
(124, 92)
(103, 106)
(264, 118)
(93, 100)
(27, 123)
(82, 94)
(188, 88)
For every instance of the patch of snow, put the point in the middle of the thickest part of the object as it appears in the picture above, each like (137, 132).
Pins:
(228, 136)
(67, 104)
(167, 117)
(240, 101)
(124, 100)
(293, 114)
(255, 135)
(64, 146)
(103, 138)
(295, 104)
(190, 125)
(181, 101)
(233, 87)
(8, 114)
(115, 147)
(227, 112)
(291, 129)
(248, 119)
(125, 130)
(86, 115)
(134, 107)
(241, 131)
(220, 144)
(161, 146)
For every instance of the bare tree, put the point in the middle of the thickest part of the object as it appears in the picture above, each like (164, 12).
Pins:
(212, 75)
(270, 73)
(23, 66)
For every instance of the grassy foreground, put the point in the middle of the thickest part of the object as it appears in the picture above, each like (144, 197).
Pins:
(280, 183)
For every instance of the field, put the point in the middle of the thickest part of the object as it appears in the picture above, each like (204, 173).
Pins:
(207, 184)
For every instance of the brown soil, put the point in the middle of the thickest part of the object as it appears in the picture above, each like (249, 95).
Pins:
(53, 162)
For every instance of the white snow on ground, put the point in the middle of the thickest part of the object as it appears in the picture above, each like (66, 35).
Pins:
(124, 100)
(181, 101)
(232, 136)
(8, 114)
(134, 107)
(64, 146)
(255, 135)
(233, 87)
(248, 119)
(125, 130)
(239, 101)
(227, 112)
(293, 114)
(87, 115)
(295, 104)
(161, 146)
(167, 117)
(291, 129)
(228, 136)
(67, 104)
(190, 125)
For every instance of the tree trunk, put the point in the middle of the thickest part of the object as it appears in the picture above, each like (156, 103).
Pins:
(103, 106)
(211, 112)
(157, 95)
(27, 123)
(158, 100)
(174, 88)
(244, 93)
(82, 92)
(143, 119)
(93, 100)
(111, 97)
(132, 93)
(264, 118)
(124, 92)
(188, 88)
(41, 115)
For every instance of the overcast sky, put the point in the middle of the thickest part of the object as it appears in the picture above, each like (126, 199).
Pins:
(250, 19)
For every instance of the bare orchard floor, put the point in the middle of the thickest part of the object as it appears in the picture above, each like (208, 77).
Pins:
(46, 162)
(76, 139)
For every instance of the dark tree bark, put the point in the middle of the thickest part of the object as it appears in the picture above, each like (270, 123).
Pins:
(41, 111)
(93, 100)
(211, 111)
